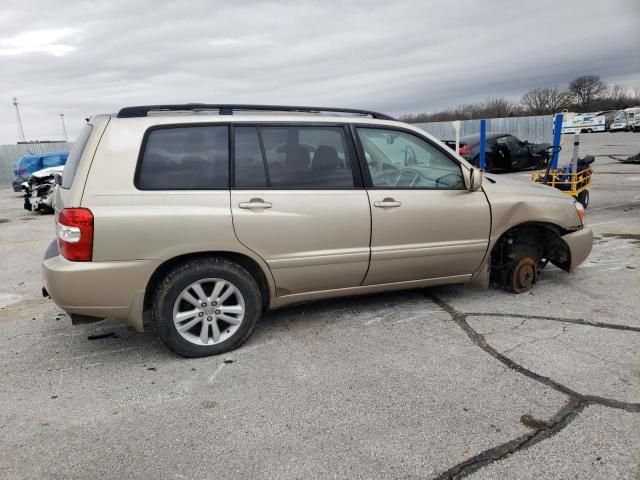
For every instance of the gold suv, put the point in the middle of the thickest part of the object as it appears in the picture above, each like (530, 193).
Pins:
(206, 215)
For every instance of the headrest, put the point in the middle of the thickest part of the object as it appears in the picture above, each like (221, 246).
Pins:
(297, 156)
(325, 158)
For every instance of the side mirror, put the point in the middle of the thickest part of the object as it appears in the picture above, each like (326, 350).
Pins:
(473, 179)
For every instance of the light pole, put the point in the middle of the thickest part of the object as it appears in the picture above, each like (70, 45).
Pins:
(64, 128)
(20, 130)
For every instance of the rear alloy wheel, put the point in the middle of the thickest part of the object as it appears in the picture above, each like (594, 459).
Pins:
(208, 311)
(205, 307)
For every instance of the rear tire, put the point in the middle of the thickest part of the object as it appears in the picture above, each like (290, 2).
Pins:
(206, 332)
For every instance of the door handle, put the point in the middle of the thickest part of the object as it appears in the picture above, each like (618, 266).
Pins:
(255, 204)
(387, 203)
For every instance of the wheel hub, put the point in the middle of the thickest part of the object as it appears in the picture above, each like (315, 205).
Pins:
(208, 311)
(524, 275)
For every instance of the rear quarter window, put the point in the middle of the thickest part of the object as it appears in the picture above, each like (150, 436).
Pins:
(184, 158)
(71, 167)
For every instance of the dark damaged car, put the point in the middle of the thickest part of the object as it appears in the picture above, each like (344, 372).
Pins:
(504, 152)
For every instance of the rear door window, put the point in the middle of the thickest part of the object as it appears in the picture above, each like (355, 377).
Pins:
(185, 158)
(71, 167)
(307, 157)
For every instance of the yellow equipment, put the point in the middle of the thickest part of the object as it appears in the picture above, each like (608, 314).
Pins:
(574, 184)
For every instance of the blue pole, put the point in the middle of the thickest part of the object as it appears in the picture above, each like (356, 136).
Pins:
(557, 134)
(483, 141)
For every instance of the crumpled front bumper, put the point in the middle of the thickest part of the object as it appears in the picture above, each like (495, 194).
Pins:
(580, 243)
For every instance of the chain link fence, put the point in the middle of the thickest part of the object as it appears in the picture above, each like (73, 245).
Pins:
(538, 129)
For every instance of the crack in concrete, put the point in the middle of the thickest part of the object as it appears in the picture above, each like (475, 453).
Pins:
(536, 339)
(560, 420)
(576, 321)
(576, 404)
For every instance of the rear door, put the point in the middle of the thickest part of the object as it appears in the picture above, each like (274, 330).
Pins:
(298, 202)
(425, 224)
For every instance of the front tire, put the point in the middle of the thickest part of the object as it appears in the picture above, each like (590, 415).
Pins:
(206, 306)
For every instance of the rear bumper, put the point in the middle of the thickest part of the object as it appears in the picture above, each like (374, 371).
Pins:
(97, 289)
(580, 244)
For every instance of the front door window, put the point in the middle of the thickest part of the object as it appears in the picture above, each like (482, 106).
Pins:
(401, 160)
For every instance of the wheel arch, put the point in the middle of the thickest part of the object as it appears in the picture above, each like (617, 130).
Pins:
(248, 263)
(547, 237)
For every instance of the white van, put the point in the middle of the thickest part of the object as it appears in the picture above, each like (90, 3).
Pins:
(626, 120)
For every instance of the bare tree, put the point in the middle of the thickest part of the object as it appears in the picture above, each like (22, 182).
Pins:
(542, 101)
(499, 107)
(586, 89)
(618, 97)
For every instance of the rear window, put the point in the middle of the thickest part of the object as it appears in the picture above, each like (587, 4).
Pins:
(71, 167)
(185, 158)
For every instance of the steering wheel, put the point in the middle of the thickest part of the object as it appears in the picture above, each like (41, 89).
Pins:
(377, 167)
(393, 177)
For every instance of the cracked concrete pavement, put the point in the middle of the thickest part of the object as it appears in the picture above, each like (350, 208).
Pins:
(439, 383)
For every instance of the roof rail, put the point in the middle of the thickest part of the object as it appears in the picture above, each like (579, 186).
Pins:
(228, 109)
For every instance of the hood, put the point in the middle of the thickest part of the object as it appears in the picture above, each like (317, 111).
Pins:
(499, 184)
(45, 172)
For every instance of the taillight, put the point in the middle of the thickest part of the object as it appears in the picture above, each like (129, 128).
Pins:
(464, 149)
(75, 234)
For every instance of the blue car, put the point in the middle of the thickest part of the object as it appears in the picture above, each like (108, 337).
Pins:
(32, 163)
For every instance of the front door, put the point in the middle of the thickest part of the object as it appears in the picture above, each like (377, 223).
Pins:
(425, 224)
(519, 152)
(298, 202)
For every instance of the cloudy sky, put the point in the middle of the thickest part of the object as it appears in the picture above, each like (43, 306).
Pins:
(81, 58)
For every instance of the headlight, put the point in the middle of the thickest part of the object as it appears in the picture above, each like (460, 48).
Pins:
(580, 210)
